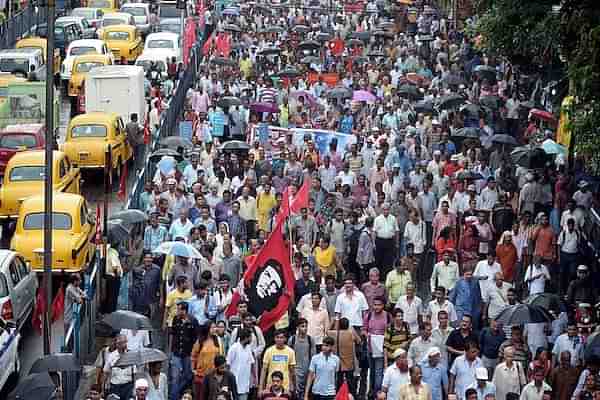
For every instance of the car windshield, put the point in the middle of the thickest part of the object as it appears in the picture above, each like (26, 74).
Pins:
(117, 36)
(112, 21)
(35, 221)
(99, 4)
(28, 173)
(17, 141)
(175, 28)
(169, 12)
(135, 11)
(78, 51)
(43, 49)
(159, 44)
(87, 66)
(88, 131)
(14, 64)
(80, 12)
(146, 65)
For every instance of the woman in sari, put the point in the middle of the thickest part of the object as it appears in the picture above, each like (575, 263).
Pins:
(445, 241)
(506, 253)
(469, 244)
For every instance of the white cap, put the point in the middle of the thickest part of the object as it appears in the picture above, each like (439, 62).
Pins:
(481, 373)
(141, 383)
(582, 268)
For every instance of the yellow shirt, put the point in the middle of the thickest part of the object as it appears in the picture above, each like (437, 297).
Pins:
(325, 260)
(246, 67)
(174, 297)
(396, 284)
(279, 360)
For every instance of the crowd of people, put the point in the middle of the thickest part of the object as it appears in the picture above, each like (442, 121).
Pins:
(414, 239)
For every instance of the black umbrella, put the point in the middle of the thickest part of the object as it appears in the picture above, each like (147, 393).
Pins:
(130, 216)
(300, 29)
(529, 157)
(469, 132)
(34, 386)
(520, 314)
(140, 357)
(339, 93)
(235, 145)
(386, 25)
(323, 36)
(288, 73)
(454, 80)
(160, 153)
(383, 33)
(450, 101)
(273, 29)
(592, 347)
(492, 102)
(118, 231)
(469, 175)
(364, 35)
(549, 301)
(486, 72)
(354, 42)
(57, 362)
(503, 138)
(424, 106)
(311, 60)
(309, 45)
(174, 142)
(231, 28)
(472, 110)
(123, 319)
(228, 101)
(223, 61)
(409, 92)
(270, 51)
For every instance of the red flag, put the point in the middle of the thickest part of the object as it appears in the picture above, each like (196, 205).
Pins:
(337, 47)
(268, 283)
(301, 199)
(147, 131)
(208, 44)
(343, 393)
(122, 194)
(58, 304)
(223, 44)
(37, 318)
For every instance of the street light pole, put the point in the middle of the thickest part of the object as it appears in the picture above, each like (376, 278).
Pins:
(49, 152)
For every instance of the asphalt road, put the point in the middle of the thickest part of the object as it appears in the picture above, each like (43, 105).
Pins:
(31, 347)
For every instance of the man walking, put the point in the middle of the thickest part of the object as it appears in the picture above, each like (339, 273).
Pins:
(322, 373)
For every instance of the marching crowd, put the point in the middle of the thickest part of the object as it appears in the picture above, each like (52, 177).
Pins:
(415, 237)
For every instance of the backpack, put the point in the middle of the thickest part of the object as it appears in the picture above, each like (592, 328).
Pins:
(310, 344)
(354, 239)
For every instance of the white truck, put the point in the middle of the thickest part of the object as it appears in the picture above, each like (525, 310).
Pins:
(116, 88)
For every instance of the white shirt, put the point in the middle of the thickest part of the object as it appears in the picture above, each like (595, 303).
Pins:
(352, 308)
(415, 234)
(434, 307)
(573, 345)
(446, 275)
(411, 312)
(539, 283)
(484, 269)
(507, 379)
(464, 371)
(393, 378)
(496, 298)
(385, 227)
(239, 359)
(118, 376)
(136, 340)
(531, 392)
(347, 178)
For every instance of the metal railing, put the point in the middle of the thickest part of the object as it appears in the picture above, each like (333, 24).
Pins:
(20, 24)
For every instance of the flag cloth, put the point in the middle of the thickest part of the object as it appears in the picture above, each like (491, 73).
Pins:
(343, 393)
(268, 283)
(58, 304)
(37, 318)
(208, 44)
(147, 131)
(122, 194)
(301, 199)
(337, 47)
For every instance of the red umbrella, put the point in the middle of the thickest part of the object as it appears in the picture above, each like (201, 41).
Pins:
(543, 115)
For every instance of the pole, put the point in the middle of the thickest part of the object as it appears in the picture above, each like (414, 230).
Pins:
(49, 153)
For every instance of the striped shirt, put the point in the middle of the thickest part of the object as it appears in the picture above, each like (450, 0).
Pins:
(395, 339)
(267, 95)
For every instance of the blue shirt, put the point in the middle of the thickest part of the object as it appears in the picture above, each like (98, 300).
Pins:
(436, 377)
(324, 368)
(153, 237)
(466, 297)
(346, 124)
(199, 309)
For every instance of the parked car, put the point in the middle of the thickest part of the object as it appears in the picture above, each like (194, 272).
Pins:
(81, 66)
(141, 15)
(111, 19)
(87, 30)
(9, 359)
(88, 137)
(63, 35)
(24, 177)
(163, 44)
(78, 48)
(124, 41)
(16, 138)
(18, 286)
(73, 229)
(41, 44)
(93, 15)
(20, 62)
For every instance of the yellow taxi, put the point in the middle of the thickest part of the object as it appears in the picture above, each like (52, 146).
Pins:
(81, 66)
(24, 177)
(89, 137)
(40, 43)
(105, 5)
(125, 41)
(73, 229)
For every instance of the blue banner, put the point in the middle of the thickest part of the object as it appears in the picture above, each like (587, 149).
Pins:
(323, 139)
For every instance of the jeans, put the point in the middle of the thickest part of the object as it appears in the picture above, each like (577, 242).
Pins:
(375, 374)
(180, 375)
(124, 391)
(568, 269)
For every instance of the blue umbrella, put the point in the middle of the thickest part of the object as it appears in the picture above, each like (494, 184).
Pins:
(551, 147)
(166, 165)
(178, 249)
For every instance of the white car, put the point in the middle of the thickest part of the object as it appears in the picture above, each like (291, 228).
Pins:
(93, 15)
(141, 15)
(87, 30)
(9, 351)
(163, 44)
(78, 48)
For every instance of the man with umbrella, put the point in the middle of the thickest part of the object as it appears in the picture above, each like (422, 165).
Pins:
(120, 379)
